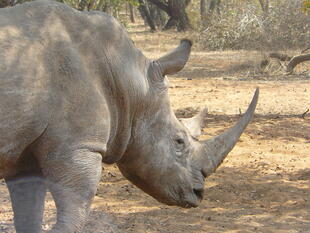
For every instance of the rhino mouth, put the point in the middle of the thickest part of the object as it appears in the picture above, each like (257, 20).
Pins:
(194, 198)
(191, 195)
(191, 198)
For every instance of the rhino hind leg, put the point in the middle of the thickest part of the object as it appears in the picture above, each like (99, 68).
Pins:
(72, 181)
(27, 195)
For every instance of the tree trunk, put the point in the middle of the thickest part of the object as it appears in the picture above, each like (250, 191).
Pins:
(145, 13)
(131, 13)
(161, 6)
(82, 5)
(100, 5)
(172, 22)
(5, 3)
(265, 6)
(176, 11)
(91, 5)
(177, 8)
(214, 5)
(203, 12)
(158, 16)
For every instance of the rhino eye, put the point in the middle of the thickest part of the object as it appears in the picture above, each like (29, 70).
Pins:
(180, 141)
(180, 146)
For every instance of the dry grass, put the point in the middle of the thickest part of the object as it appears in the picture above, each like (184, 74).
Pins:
(228, 64)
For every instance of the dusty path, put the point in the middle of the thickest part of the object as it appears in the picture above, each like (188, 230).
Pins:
(263, 185)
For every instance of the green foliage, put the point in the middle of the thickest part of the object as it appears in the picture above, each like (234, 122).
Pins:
(306, 6)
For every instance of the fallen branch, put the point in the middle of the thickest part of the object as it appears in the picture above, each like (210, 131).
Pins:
(296, 60)
(292, 62)
(304, 114)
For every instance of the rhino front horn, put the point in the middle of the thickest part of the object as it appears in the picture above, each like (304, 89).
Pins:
(216, 149)
(174, 61)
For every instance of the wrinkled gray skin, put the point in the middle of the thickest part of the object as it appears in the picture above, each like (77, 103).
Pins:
(75, 92)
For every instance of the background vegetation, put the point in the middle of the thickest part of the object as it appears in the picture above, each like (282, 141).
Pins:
(216, 24)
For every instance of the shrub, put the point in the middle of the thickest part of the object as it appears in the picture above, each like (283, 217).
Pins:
(246, 26)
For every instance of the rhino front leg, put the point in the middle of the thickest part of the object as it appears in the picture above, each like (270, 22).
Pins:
(73, 179)
(27, 196)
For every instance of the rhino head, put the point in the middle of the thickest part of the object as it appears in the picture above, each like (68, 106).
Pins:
(164, 158)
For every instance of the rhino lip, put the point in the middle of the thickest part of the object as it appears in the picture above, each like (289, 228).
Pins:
(190, 205)
(194, 202)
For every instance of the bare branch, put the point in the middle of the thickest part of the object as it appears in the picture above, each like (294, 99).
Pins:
(305, 50)
(280, 56)
(264, 6)
(296, 60)
(304, 114)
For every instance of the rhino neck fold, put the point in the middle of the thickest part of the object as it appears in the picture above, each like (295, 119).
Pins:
(120, 127)
(123, 103)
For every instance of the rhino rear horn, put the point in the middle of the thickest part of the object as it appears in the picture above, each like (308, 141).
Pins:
(217, 148)
(174, 61)
(196, 123)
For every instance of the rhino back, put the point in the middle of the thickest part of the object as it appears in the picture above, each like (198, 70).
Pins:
(45, 77)
(22, 93)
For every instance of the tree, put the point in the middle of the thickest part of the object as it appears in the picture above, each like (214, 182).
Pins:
(175, 9)
(214, 5)
(265, 6)
(5, 3)
(206, 14)
(145, 13)
(203, 12)
(131, 13)
(82, 5)
(160, 17)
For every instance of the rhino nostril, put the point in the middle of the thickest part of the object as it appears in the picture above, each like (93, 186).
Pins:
(199, 193)
(204, 174)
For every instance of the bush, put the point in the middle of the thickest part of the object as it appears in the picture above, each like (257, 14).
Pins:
(246, 26)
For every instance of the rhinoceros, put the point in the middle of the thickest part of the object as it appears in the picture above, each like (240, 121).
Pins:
(75, 92)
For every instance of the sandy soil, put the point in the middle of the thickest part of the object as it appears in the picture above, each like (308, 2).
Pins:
(262, 186)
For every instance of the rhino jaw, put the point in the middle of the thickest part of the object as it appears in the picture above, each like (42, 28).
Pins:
(214, 150)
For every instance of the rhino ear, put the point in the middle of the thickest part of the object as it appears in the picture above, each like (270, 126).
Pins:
(196, 123)
(174, 61)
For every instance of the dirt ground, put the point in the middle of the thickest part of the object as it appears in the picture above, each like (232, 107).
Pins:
(262, 186)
